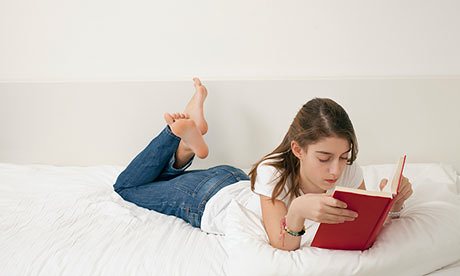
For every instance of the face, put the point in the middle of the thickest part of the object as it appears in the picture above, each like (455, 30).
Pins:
(322, 163)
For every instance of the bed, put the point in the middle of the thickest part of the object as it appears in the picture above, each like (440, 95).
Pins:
(69, 221)
(59, 214)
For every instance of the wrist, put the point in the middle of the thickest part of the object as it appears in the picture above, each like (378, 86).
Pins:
(397, 207)
(396, 212)
(293, 218)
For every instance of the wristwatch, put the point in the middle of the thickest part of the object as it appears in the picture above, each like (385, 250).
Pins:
(395, 215)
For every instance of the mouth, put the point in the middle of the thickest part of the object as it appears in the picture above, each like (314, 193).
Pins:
(331, 181)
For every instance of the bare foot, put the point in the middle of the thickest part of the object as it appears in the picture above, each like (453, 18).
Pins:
(195, 106)
(185, 128)
(172, 117)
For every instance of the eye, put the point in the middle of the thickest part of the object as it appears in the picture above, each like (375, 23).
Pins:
(324, 160)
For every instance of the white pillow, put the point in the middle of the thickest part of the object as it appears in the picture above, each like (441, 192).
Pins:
(425, 238)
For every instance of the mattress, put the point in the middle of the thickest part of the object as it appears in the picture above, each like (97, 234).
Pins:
(69, 221)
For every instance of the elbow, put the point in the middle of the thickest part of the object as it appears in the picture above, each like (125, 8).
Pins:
(286, 247)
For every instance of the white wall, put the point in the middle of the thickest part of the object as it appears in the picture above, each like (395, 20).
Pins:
(61, 63)
(97, 123)
(58, 40)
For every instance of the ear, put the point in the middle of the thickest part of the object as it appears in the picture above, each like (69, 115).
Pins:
(296, 149)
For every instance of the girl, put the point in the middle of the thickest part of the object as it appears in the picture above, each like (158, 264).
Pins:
(290, 184)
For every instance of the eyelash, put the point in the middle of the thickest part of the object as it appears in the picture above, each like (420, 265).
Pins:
(327, 160)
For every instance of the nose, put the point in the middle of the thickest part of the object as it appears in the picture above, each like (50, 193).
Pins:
(334, 168)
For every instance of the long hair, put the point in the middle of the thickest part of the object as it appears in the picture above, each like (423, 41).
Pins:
(319, 118)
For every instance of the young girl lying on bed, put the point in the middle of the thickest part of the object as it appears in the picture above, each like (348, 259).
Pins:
(288, 185)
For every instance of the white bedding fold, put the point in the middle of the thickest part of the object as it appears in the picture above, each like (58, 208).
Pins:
(68, 221)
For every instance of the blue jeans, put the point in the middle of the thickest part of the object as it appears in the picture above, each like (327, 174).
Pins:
(151, 181)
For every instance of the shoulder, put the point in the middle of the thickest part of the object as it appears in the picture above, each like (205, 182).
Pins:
(267, 174)
(267, 178)
(267, 171)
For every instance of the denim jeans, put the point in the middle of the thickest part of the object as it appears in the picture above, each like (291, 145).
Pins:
(151, 181)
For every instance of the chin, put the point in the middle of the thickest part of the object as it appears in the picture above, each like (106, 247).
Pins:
(327, 186)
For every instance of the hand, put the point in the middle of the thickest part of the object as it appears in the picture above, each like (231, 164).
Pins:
(404, 192)
(323, 208)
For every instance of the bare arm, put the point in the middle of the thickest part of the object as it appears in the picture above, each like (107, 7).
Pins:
(317, 207)
(272, 213)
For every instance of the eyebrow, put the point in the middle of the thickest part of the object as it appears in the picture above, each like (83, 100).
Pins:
(328, 153)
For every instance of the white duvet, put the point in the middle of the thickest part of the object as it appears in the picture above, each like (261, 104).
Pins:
(68, 221)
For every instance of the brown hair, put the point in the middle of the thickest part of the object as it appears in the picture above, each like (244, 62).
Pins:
(319, 118)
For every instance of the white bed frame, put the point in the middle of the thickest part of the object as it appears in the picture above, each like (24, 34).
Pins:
(92, 123)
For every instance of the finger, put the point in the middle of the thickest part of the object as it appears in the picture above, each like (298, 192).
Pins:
(326, 218)
(330, 221)
(404, 182)
(342, 213)
(403, 196)
(330, 201)
(406, 195)
(338, 207)
(399, 199)
(336, 219)
(383, 183)
(409, 194)
(405, 188)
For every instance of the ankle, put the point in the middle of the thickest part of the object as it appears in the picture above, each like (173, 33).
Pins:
(180, 164)
(183, 155)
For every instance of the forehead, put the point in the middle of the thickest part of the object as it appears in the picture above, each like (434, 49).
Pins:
(332, 145)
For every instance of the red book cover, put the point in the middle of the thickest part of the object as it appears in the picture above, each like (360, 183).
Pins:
(372, 208)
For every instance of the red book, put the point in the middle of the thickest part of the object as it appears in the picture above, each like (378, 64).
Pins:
(372, 208)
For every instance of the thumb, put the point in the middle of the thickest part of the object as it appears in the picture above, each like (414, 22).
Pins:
(383, 183)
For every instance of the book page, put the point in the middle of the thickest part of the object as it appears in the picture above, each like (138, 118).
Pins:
(363, 192)
(397, 175)
(388, 191)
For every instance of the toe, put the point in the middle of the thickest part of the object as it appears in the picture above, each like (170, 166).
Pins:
(168, 118)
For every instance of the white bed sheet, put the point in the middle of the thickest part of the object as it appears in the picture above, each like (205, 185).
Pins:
(69, 221)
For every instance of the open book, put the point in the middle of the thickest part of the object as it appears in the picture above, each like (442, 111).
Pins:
(372, 208)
